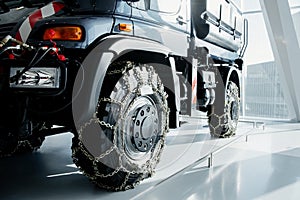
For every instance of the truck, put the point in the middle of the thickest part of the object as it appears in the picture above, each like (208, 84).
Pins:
(118, 74)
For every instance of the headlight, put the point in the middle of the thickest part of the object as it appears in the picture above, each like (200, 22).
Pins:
(72, 33)
(36, 77)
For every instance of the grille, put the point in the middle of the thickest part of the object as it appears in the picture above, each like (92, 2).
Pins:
(5, 29)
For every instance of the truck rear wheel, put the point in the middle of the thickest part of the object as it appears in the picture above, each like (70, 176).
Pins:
(122, 144)
(223, 118)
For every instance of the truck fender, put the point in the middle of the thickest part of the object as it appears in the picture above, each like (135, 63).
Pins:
(90, 77)
(229, 73)
(234, 75)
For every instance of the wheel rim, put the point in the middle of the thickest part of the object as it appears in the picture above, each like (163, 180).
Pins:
(141, 128)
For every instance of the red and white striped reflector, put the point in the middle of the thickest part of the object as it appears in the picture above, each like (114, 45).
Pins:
(28, 24)
(194, 90)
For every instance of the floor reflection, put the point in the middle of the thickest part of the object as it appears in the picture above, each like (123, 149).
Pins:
(241, 171)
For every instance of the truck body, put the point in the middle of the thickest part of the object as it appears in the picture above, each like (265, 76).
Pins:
(117, 74)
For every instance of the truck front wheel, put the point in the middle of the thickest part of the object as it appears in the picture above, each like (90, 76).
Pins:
(223, 118)
(122, 144)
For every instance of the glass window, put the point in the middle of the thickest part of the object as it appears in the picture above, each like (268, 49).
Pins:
(264, 96)
(167, 6)
(142, 4)
(95, 5)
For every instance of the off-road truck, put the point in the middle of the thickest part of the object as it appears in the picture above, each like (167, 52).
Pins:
(117, 74)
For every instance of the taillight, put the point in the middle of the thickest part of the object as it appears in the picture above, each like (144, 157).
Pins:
(73, 33)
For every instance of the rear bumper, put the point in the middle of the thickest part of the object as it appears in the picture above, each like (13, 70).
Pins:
(48, 78)
(44, 92)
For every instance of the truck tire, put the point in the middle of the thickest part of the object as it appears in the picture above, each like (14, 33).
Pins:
(223, 118)
(13, 142)
(122, 144)
(8, 142)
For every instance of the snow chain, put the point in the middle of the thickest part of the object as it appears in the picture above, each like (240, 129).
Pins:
(231, 93)
(23, 146)
(147, 168)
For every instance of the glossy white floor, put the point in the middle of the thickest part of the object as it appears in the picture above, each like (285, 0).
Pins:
(265, 167)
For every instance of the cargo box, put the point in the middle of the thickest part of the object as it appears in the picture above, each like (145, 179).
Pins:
(218, 22)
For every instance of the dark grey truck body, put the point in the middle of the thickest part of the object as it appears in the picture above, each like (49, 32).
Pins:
(195, 46)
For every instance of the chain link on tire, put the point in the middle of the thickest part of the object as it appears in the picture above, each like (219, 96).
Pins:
(223, 120)
(12, 144)
(122, 144)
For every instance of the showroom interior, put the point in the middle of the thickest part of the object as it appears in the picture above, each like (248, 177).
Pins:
(261, 161)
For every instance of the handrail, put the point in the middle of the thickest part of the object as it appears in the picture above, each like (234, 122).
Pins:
(245, 40)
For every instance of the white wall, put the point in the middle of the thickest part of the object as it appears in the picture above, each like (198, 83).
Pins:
(293, 3)
(250, 5)
(238, 3)
(259, 49)
(296, 18)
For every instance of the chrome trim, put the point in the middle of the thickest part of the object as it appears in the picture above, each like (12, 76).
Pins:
(37, 77)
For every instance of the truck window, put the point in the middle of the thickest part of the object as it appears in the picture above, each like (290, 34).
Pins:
(18, 3)
(166, 6)
(6, 5)
(106, 6)
(142, 4)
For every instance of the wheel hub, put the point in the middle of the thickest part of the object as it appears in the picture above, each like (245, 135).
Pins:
(145, 128)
